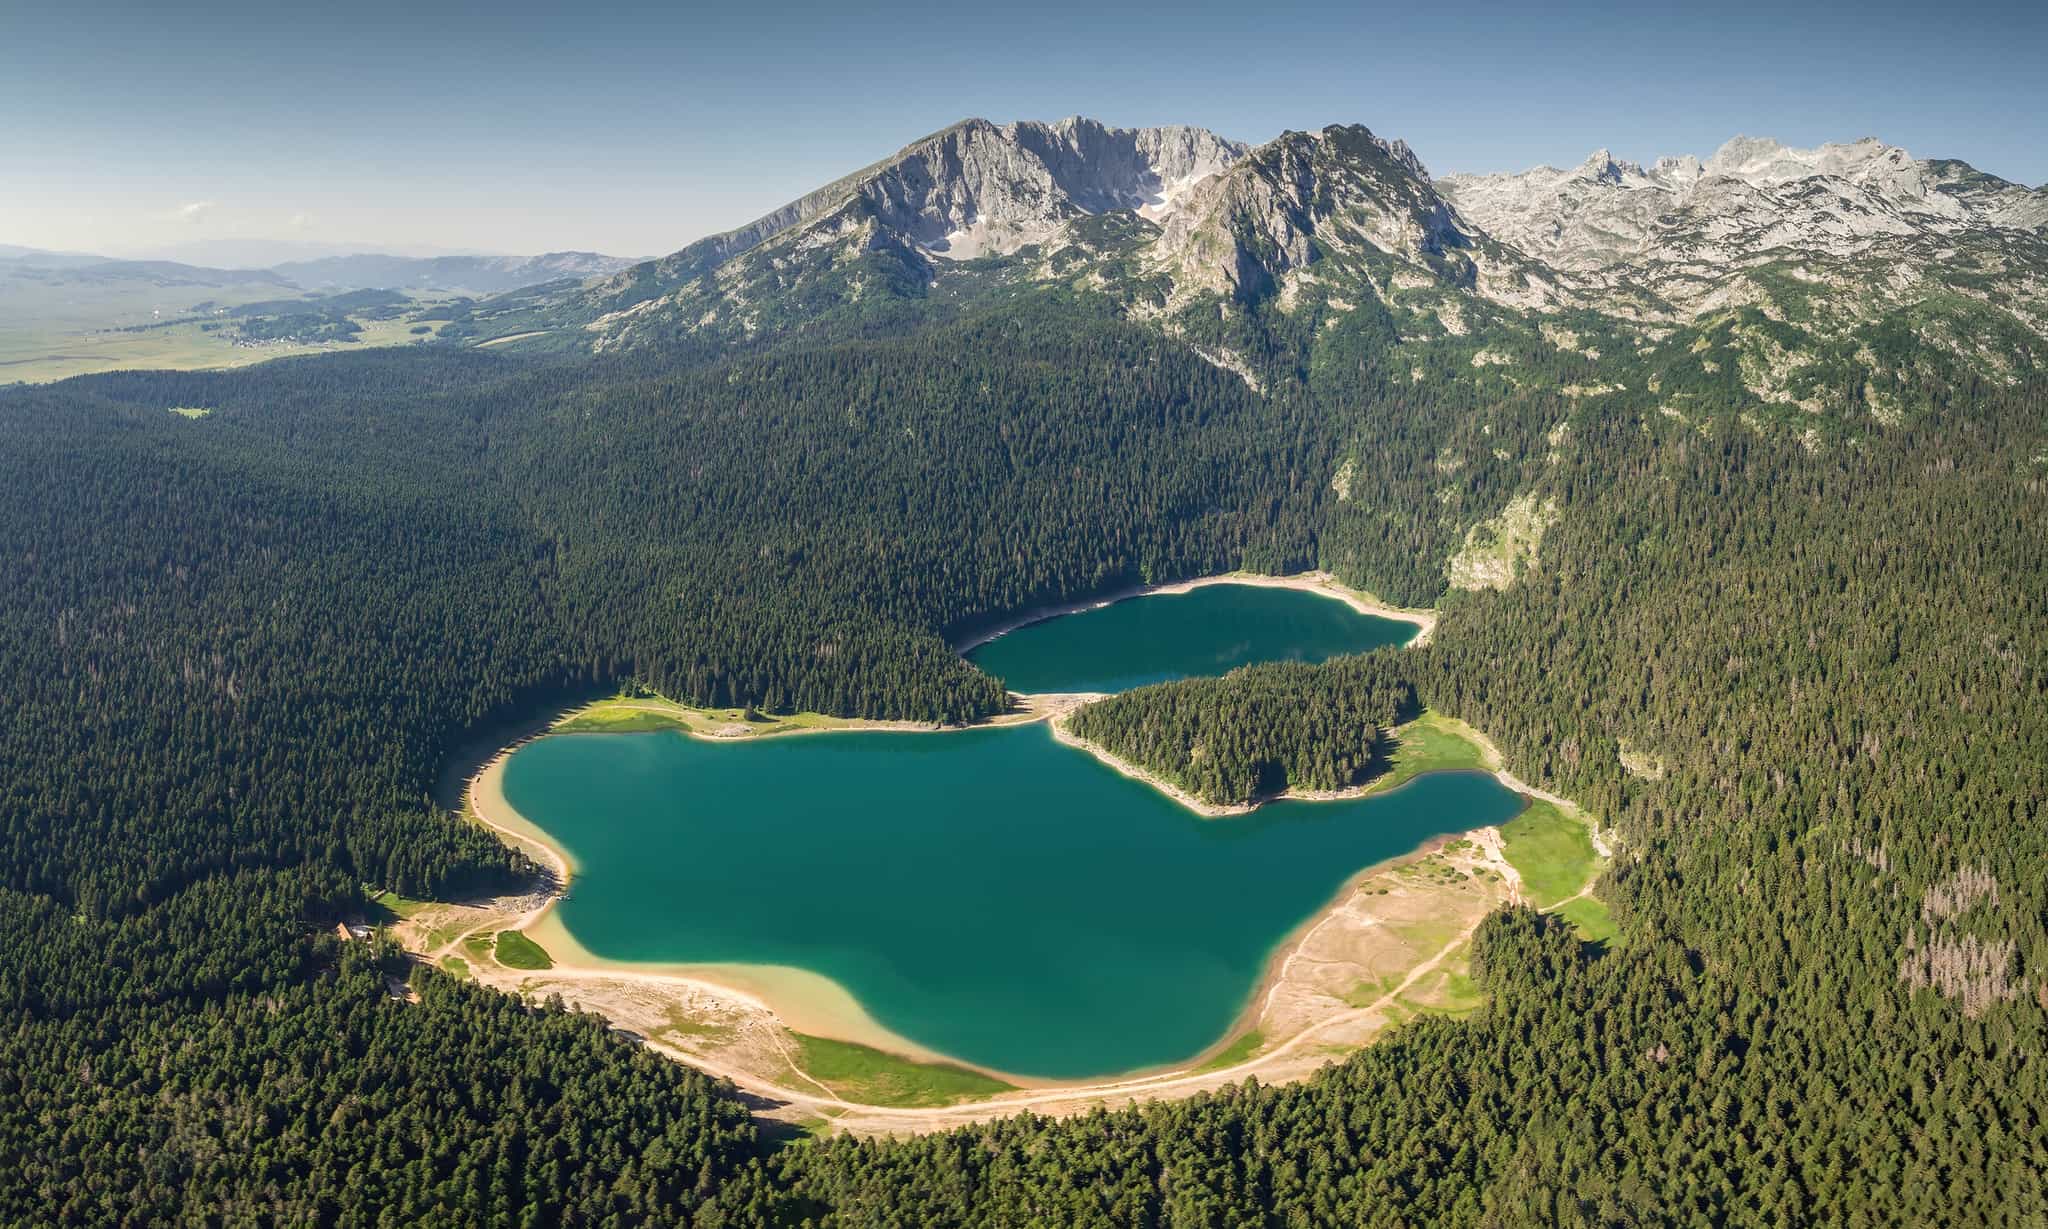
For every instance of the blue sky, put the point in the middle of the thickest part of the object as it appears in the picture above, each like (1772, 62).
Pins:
(635, 129)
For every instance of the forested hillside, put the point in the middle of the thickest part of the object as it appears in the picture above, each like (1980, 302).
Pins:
(1801, 678)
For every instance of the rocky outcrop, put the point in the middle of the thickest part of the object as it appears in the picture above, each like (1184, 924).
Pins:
(1307, 197)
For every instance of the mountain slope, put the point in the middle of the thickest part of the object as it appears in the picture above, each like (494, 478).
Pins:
(972, 190)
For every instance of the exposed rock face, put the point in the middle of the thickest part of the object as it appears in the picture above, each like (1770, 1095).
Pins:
(977, 188)
(1300, 197)
(973, 189)
(1680, 227)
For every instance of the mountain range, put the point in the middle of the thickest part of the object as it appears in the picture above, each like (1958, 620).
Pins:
(1802, 270)
(468, 274)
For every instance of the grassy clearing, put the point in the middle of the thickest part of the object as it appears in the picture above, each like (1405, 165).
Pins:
(1236, 1052)
(1427, 936)
(629, 714)
(387, 907)
(598, 720)
(516, 951)
(1447, 990)
(862, 1073)
(678, 1026)
(1591, 918)
(1366, 993)
(1551, 850)
(1431, 743)
(444, 934)
(455, 967)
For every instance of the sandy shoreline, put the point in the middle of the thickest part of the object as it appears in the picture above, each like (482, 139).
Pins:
(802, 1000)
(808, 1002)
(1307, 582)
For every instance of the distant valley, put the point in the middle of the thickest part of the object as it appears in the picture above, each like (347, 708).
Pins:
(71, 313)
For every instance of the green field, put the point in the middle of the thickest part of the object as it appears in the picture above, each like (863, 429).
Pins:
(516, 951)
(1590, 916)
(1236, 1052)
(387, 907)
(1431, 743)
(54, 332)
(633, 714)
(864, 1074)
(442, 935)
(610, 717)
(1551, 850)
(1447, 990)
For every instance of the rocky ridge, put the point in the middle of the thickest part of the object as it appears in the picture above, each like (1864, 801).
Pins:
(1788, 271)
(1673, 239)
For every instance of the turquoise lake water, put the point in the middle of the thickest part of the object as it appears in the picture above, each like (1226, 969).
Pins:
(989, 894)
(1207, 631)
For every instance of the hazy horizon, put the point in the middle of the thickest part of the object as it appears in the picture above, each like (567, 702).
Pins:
(141, 133)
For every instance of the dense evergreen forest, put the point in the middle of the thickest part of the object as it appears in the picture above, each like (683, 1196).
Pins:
(1259, 730)
(1804, 686)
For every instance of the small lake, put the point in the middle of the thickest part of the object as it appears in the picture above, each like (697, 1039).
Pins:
(988, 894)
(1206, 631)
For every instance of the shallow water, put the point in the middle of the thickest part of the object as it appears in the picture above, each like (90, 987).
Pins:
(1206, 631)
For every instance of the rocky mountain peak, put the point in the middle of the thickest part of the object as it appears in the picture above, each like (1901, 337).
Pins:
(1600, 165)
(1342, 200)
(1743, 151)
(978, 188)
(1755, 195)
